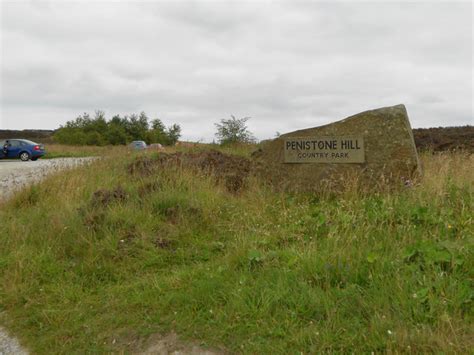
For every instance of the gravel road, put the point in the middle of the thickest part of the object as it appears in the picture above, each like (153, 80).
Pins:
(9, 345)
(15, 174)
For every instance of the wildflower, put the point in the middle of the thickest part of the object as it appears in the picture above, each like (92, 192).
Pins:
(389, 332)
(408, 183)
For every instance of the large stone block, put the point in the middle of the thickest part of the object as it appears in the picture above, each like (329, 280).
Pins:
(373, 144)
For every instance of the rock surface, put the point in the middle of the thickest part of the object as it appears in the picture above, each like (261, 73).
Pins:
(388, 145)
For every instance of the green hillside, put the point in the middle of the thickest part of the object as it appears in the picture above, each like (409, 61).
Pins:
(99, 258)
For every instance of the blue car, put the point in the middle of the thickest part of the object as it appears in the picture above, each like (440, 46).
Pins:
(21, 148)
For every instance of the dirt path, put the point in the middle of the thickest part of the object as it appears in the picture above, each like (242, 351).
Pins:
(15, 174)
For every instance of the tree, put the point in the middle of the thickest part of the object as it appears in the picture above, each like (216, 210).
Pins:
(117, 131)
(234, 130)
(157, 133)
(137, 126)
(173, 133)
(156, 124)
(94, 138)
(85, 130)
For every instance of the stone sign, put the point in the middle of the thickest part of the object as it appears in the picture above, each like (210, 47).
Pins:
(372, 144)
(324, 150)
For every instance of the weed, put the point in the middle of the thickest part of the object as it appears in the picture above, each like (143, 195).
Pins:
(148, 188)
(28, 197)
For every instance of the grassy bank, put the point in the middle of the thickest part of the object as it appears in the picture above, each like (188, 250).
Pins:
(72, 151)
(95, 259)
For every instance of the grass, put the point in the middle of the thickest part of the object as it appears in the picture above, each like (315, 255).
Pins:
(95, 258)
(71, 151)
(239, 149)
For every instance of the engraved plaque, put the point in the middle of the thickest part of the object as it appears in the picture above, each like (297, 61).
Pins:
(325, 149)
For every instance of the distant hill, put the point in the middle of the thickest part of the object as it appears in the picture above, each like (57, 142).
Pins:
(436, 139)
(38, 135)
(445, 138)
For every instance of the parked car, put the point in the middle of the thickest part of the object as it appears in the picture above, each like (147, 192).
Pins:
(138, 145)
(155, 146)
(21, 148)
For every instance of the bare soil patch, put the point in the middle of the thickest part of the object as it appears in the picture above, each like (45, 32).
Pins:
(104, 197)
(231, 170)
(158, 344)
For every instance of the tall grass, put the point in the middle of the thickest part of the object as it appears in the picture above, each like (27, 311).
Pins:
(71, 151)
(94, 259)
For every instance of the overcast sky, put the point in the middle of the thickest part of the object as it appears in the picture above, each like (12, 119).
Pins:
(287, 65)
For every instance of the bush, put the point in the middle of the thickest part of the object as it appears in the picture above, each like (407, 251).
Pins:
(85, 130)
(234, 130)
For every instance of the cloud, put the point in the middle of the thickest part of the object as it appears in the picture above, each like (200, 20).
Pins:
(287, 65)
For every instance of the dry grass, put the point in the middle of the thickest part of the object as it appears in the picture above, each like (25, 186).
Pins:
(62, 151)
(442, 168)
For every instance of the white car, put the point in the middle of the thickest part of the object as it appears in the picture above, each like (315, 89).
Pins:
(155, 146)
(138, 145)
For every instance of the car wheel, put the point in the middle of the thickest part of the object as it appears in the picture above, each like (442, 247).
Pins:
(25, 156)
